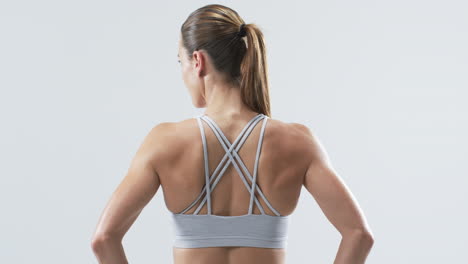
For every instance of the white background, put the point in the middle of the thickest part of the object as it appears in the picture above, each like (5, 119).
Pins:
(382, 83)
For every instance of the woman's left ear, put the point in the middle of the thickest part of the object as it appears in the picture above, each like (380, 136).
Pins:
(199, 59)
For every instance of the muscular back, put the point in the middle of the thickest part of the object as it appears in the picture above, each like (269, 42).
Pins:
(282, 165)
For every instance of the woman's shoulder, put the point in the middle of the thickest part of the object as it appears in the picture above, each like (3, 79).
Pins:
(290, 133)
(288, 137)
(293, 130)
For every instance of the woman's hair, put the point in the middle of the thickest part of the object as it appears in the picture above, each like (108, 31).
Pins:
(214, 28)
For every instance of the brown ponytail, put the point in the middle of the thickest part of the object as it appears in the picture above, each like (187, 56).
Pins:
(254, 72)
(214, 28)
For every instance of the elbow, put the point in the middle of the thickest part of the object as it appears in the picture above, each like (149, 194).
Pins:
(99, 242)
(369, 238)
(363, 237)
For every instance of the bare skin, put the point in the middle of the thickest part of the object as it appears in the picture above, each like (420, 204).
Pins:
(280, 176)
(171, 156)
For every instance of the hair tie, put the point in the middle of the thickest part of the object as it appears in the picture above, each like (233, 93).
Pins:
(242, 31)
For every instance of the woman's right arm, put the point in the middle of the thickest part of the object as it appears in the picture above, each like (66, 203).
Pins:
(338, 204)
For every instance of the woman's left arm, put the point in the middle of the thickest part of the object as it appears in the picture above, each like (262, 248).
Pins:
(135, 191)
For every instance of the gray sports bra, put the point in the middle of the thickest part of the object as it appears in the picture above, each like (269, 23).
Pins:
(248, 230)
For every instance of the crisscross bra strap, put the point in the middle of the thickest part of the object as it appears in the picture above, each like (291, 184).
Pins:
(224, 141)
(231, 153)
(240, 139)
(232, 148)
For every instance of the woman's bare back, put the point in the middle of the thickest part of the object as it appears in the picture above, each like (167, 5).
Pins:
(280, 176)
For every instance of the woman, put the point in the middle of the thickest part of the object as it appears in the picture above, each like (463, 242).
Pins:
(229, 220)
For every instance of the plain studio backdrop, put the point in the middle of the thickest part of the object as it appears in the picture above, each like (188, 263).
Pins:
(383, 84)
